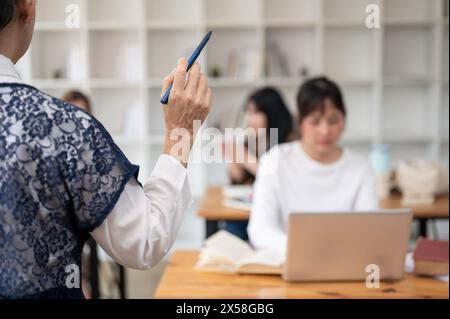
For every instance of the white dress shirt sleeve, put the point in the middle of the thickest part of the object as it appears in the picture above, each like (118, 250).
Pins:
(265, 227)
(143, 225)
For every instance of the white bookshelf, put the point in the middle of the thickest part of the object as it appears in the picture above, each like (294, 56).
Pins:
(344, 12)
(395, 78)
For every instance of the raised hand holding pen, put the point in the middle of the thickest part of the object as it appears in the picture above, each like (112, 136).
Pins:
(190, 63)
(190, 100)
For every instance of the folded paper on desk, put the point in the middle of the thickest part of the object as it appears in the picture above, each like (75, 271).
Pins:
(226, 253)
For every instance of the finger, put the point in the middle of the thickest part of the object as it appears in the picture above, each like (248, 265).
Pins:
(166, 83)
(194, 75)
(208, 98)
(202, 88)
(180, 75)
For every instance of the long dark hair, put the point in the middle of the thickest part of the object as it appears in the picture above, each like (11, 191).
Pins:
(313, 93)
(269, 101)
(7, 11)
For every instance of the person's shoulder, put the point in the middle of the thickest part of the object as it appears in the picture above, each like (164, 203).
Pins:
(56, 104)
(38, 100)
(36, 109)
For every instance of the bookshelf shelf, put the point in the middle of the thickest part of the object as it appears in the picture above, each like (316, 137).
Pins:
(295, 48)
(410, 22)
(233, 11)
(407, 80)
(289, 24)
(445, 53)
(407, 102)
(395, 79)
(407, 51)
(349, 24)
(113, 83)
(229, 25)
(116, 55)
(112, 107)
(115, 11)
(291, 11)
(225, 82)
(236, 54)
(339, 63)
(228, 103)
(112, 26)
(171, 44)
(50, 26)
(413, 10)
(171, 25)
(359, 102)
(155, 118)
(173, 11)
(55, 84)
(56, 54)
(54, 11)
(346, 11)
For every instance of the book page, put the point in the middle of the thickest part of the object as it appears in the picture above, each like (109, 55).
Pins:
(265, 257)
(229, 246)
(212, 261)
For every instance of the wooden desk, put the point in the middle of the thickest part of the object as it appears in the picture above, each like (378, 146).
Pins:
(181, 281)
(212, 210)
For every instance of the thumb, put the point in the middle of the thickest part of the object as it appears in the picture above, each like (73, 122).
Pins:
(166, 82)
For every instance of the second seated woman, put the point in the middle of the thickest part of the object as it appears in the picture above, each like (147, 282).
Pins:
(265, 110)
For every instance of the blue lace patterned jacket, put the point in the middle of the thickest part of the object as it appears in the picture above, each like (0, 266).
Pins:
(60, 176)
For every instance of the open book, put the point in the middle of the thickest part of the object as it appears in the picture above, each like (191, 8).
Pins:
(224, 252)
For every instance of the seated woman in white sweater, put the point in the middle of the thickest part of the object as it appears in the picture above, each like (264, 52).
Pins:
(311, 175)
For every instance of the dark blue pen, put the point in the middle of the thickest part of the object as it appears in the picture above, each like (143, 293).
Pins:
(191, 61)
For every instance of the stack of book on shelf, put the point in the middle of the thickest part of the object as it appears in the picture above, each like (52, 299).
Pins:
(277, 64)
(226, 253)
(244, 64)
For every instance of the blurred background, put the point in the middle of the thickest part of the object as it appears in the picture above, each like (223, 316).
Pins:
(394, 78)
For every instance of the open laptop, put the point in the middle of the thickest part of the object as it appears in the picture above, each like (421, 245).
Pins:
(339, 246)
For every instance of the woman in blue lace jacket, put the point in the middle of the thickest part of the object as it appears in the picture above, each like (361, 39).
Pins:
(63, 179)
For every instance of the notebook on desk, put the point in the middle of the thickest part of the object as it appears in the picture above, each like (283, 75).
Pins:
(238, 197)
